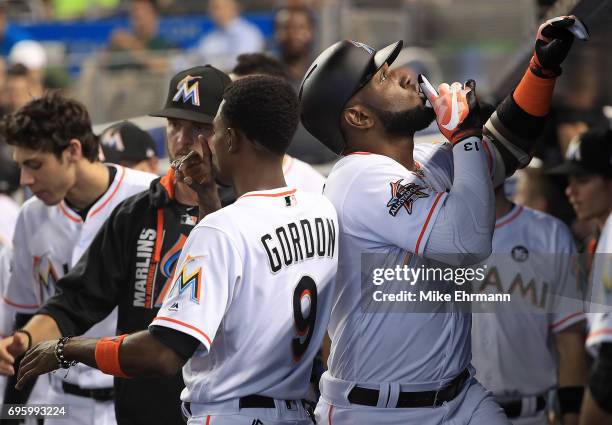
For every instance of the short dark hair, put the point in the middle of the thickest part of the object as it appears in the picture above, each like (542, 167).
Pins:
(260, 63)
(48, 124)
(297, 9)
(264, 108)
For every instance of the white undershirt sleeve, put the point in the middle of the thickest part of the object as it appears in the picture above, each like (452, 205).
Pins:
(463, 229)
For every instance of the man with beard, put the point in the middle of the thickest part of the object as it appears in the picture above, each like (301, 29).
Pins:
(294, 33)
(401, 204)
(130, 262)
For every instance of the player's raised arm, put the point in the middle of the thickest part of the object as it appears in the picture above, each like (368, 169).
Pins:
(463, 229)
(520, 118)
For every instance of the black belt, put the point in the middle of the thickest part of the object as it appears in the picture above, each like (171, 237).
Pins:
(368, 397)
(513, 408)
(255, 401)
(98, 394)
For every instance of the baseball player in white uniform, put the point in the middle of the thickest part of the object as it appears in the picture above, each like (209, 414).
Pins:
(522, 354)
(298, 174)
(74, 194)
(598, 397)
(413, 204)
(253, 284)
(302, 175)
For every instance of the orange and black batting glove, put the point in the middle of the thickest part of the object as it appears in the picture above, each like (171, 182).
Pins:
(456, 108)
(553, 42)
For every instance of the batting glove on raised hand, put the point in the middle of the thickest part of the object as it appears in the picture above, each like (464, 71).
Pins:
(553, 43)
(456, 107)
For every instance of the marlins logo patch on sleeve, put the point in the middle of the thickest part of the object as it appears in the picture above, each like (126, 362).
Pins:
(404, 195)
(189, 281)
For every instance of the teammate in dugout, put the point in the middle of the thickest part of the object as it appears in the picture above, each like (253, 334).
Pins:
(391, 196)
(590, 192)
(130, 262)
(297, 173)
(251, 295)
(74, 193)
(520, 357)
(138, 285)
(597, 405)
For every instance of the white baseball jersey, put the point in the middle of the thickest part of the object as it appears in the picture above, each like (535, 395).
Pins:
(254, 285)
(7, 315)
(302, 176)
(601, 325)
(48, 241)
(513, 351)
(385, 208)
(8, 218)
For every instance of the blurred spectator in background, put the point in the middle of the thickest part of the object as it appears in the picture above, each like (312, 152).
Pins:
(304, 146)
(536, 190)
(303, 3)
(258, 64)
(74, 9)
(131, 48)
(294, 33)
(33, 56)
(9, 35)
(21, 87)
(231, 37)
(127, 144)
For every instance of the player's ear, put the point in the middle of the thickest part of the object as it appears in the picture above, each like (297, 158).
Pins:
(74, 151)
(357, 117)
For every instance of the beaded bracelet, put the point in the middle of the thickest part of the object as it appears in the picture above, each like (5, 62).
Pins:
(59, 353)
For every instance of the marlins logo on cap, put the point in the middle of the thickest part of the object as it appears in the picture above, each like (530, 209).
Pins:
(573, 150)
(195, 94)
(112, 139)
(188, 92)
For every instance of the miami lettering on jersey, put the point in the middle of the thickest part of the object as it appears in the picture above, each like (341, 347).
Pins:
(299, 241)
(528, 291)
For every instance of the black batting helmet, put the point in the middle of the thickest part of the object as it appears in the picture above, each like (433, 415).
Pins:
(333, 78)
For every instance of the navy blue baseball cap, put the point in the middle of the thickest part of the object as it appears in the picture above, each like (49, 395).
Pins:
(589, 153)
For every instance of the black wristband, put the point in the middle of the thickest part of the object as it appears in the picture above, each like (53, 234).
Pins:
(28, 334)
(570, 399)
